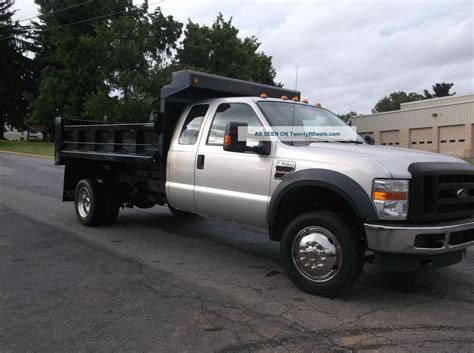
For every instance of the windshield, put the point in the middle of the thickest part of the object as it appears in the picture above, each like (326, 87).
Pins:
(281, 114)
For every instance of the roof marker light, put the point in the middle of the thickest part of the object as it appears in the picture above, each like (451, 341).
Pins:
(305, 101)
(195, 80)
(263, 95)
(318, 105)
(285, 98)
(295, 99)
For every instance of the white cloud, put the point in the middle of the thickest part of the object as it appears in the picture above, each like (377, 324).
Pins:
(350, 53)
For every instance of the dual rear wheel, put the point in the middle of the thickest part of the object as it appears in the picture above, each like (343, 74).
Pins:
(94, 204)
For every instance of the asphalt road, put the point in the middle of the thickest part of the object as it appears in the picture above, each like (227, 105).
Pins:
(157, 282)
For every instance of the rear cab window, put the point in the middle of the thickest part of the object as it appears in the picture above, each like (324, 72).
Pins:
(190, 130)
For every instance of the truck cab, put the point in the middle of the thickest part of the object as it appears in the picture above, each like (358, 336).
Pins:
(225, 184)
(331, 203)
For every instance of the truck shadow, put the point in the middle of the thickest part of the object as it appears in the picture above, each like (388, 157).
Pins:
(454, 282)
(248, 239)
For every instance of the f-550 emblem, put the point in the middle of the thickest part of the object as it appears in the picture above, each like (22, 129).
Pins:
(283, 168)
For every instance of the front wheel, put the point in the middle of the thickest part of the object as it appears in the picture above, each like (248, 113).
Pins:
(321, 253)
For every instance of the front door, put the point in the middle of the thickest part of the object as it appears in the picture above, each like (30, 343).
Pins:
(231, 185)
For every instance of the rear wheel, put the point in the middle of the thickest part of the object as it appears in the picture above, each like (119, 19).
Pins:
(93, 204)
(88, 202)
(321, 254)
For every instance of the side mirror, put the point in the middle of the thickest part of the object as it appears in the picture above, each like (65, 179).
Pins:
(157, 118)
(231, 138)
(232, 143)
(369, 139)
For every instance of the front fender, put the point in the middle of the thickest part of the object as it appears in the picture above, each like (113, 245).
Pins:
(337, 182)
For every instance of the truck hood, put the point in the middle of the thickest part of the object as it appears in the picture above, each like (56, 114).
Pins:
(395, 160)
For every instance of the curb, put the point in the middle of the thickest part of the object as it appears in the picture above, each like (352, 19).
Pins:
(26, 154)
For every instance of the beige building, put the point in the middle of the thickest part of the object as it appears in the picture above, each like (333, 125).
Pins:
(443, 125)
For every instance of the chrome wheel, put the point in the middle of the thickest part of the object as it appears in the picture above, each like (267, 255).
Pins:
(83, 202)
(316, 253)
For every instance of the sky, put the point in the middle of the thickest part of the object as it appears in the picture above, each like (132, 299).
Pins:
(349, 54)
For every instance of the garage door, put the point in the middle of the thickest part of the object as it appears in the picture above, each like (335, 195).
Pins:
(390, 138)
(421, 139)
(452, 140)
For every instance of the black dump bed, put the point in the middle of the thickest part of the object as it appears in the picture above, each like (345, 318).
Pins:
(149, 142)
(102, 141)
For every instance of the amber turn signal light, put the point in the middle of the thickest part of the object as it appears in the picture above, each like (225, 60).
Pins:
(389, 196)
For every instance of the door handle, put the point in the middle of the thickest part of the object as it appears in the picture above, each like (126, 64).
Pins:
(200, 161)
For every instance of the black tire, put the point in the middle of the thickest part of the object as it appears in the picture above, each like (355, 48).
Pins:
(103, 209)
(177, 212)
(336, 273)
(89, 202)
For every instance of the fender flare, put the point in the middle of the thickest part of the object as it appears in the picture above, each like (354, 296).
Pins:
(337, 182)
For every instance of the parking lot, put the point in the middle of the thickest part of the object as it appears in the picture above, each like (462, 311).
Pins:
(158, 282)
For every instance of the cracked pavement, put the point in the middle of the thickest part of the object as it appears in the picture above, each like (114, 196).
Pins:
(158, 282)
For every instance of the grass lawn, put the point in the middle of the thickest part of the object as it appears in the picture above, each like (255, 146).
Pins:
(31, 147)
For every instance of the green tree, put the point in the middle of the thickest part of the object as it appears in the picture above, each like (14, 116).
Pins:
(111, 58)
(440, 90)
(16, 70)
(219, 50)
(112, 66)
(347, 117)
(134, 52)
(394, 100)
(70, 70)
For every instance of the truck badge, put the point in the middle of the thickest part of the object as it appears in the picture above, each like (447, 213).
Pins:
(283, 168)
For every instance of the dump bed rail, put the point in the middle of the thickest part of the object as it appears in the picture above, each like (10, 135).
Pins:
(92, 140)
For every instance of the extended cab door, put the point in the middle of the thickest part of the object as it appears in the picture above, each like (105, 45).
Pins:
(231, 185)
(182, 159)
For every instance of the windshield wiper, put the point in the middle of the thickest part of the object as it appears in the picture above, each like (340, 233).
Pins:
(326, 140)
(357, 142)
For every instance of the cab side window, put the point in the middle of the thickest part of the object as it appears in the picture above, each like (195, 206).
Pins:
(192, 124)
(228, 112)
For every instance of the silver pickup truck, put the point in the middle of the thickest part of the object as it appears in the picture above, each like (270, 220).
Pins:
(332, 204)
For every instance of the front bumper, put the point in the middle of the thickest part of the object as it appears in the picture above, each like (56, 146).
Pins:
(433, 239)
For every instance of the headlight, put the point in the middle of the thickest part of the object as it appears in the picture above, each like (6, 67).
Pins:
(390, 197)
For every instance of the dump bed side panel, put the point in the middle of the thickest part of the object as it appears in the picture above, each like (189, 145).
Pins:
(88, 140)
